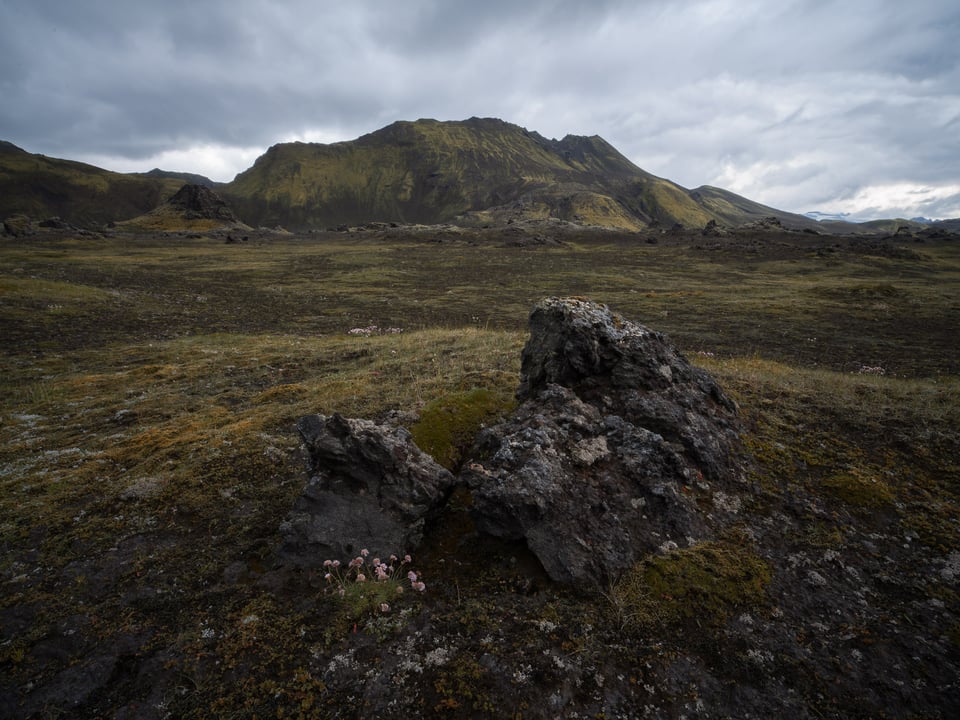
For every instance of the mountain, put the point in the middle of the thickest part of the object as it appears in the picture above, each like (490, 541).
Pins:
(472, 172)
(80, 194)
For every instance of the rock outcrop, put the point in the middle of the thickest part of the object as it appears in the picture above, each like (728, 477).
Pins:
(370, 487)
(619, 447)
(200, 202)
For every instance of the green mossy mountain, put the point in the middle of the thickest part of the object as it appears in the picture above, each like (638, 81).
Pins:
(472, 172)
(475, 172)
(81, 194)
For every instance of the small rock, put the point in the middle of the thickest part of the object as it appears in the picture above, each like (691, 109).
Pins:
(370, 487)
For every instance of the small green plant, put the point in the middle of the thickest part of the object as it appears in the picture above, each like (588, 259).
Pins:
(368, 588)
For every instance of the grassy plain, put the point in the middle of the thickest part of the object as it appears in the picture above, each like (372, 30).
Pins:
(150, 386)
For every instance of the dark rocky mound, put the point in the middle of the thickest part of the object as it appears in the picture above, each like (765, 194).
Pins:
(200, 202)
(618, 446)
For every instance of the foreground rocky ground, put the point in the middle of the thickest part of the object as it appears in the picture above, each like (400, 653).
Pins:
(756, 541)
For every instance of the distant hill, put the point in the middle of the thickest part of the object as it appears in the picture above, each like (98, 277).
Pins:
(80, 194)
(472, 172)
(190, 178)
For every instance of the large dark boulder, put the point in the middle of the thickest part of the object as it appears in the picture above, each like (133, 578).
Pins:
(370, 487)
(619, 447)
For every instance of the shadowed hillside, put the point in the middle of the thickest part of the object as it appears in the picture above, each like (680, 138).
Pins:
(80, 194)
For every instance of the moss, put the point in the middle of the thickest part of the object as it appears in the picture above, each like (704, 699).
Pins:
(449, 424)
(704, 583)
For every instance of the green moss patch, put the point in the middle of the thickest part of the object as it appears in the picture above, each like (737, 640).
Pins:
(449, 424)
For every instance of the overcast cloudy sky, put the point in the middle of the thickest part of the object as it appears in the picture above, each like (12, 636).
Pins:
(831, 105)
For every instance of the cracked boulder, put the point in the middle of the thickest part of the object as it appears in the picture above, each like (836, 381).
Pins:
(619, 447)
(370, 487)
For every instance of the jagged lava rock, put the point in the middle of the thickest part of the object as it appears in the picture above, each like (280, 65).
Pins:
(619, 447)
(370, 487)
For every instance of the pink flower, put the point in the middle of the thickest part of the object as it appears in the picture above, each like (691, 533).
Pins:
(327, 563)
(412, 576)
(364, 552)
(328, 577)
(335, 563)
(361, 577)
(407, 558)
(384, 607)
(399, 589)
(419, 586)
(393, 558)
(376, 561)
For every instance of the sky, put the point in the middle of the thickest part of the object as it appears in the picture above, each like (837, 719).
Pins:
(837, 106)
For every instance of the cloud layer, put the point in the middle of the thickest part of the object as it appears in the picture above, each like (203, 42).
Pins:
(840, 106)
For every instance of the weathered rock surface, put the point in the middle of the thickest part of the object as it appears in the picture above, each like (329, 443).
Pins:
(370, 487)
(619, 448)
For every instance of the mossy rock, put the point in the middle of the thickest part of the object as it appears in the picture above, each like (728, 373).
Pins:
(705, 583)
(449, 424)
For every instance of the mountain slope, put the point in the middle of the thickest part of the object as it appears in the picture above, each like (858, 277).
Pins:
(80, 194)
(731, 209)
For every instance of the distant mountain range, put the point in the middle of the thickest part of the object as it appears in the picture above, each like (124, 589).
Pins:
(473, 172)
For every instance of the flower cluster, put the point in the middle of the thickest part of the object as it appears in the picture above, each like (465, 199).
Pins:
(374, 330)
(867, 370)
(355, 576)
